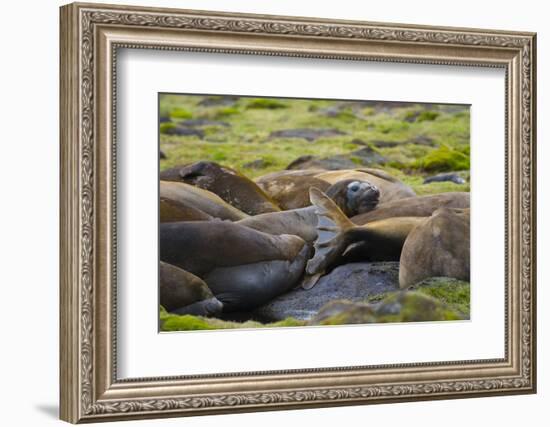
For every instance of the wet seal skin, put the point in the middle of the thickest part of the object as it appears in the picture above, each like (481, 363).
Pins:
(243, 268)
(232, 186)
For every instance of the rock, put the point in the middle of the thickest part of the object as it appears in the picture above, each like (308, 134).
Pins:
(221, 100)
(365, 156)
(257, 164)
(352, 282)
(307, 134)
(202, 122)
(442, 177)
(357, 141)
(418, 140)
(404, 306)
(164, 119)
(341, 312)
(184, 131)
(162, 155)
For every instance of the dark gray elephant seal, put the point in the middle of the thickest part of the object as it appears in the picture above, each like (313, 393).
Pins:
(440, 246)
(232, 186)
(338, 237)
(351, 196)
(390, 187)
(415, 206)
(184, 293)
(243, 268)
(187, 196)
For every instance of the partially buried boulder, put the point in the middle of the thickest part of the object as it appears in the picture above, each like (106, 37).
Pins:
(365, 156)
(309, 134)
(406, 306)
(352, 282)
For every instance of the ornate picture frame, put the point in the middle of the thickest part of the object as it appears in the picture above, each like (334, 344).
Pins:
(90, 37)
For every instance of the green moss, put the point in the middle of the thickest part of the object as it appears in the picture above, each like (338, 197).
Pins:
(427, 115)
(172, 322)
(180, 113)
(265, 104)
(185, 323)
(219, 157)
(226, 112)
(443, 159)
(455, 293)
(166, 126)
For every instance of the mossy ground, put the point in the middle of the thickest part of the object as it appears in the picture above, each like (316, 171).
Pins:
(417, 141)
(251, 120)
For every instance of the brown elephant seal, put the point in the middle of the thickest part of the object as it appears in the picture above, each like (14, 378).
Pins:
(233, 187)
(173, 211)
(190, 197)
(440, 246)
(337, 236)
(243, 268)
(415, 206)
(390, 187)
(184, 293)
(292, 192)
(351, 196)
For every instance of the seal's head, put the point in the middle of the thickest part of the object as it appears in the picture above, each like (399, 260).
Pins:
(354, 196)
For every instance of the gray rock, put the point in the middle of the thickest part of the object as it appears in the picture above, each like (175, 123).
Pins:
(307, 134)
(442, 177)
(257, 164)
(351, 282)
(202, 122)
(365, 156)
(184, 131)
(221, 100)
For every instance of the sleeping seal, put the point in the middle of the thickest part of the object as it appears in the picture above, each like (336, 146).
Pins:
(172, 211)
(337, 236)
(351, 196)
(291, 188)
(390, 187)
(184, 293)
(190, 197)
(440, 246)
(232, 186)
(243, 268)
(415, 206)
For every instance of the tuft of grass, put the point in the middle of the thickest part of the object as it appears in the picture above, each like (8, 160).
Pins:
(180, 113)
(166, 126)
(219, 156)
(265, 104)
(226, 112)
(427, 115)
(443, 159)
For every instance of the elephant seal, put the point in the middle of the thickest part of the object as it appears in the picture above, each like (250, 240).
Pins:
(440, 246)
(351, 196)
(188, 196)
(233, 187)
(414, 206)
(172, 211)
(243, 268)
(337, 236)
(390, 187)
(292, 192)
(184, 293)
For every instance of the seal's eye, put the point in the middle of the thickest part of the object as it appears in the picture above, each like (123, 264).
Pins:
(354, 186)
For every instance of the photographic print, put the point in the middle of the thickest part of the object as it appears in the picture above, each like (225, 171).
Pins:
(282, 212)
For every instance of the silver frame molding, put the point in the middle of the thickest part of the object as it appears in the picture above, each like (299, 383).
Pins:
(90, 37)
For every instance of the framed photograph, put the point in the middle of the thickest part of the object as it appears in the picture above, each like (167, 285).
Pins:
(267, 212)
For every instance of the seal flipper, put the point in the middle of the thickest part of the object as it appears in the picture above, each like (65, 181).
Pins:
(332, 227)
